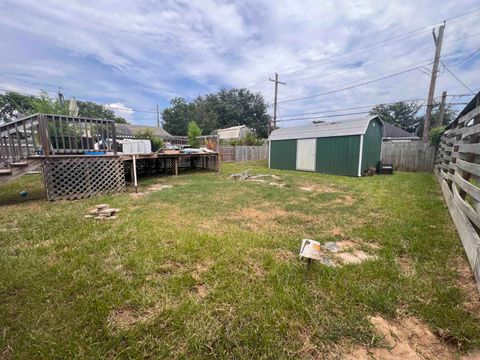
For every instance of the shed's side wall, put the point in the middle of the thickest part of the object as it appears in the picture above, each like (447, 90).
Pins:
(283, 154)
(338, 155)
(372, 146)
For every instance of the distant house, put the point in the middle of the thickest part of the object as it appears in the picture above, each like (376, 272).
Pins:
(394, 133)
(233, 133)
(129, 131)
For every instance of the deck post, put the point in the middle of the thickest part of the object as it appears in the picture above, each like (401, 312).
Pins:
(134, 165)
(176, 166)
(114, 138)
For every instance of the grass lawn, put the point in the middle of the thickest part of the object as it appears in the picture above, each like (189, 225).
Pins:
(209, 268)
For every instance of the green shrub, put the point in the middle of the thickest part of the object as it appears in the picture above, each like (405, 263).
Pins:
(436, 135)
(248, 140)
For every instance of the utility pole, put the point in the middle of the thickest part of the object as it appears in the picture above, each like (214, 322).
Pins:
(276, 81)
(433, 80)
(442, 109)
(158, 117)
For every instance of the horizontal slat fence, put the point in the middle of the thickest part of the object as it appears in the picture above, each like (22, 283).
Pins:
(409, 155)
(458, 171)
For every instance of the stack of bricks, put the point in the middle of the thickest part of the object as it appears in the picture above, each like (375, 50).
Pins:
(102, 211)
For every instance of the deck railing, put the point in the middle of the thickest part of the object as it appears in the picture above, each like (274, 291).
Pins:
(51, 135)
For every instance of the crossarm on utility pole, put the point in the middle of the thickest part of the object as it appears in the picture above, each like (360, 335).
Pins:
(276, 81)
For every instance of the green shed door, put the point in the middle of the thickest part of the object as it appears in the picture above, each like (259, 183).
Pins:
(372, 146)
(338, 155)
(283, 154)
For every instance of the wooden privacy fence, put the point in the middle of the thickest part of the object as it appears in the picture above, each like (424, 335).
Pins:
(243, 153)
(409, 155)
(458, 171)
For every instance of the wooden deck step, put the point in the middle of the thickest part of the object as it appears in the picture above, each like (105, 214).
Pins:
(5, 172)
(19, 164)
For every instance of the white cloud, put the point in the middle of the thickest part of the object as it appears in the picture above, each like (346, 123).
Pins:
(139, 54)
(121, 110)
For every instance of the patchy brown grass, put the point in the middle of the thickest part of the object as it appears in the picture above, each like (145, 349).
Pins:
(466, 282)
(406, 338)
(314, 187)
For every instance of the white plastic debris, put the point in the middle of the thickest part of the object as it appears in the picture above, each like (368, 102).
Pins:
(311, 249)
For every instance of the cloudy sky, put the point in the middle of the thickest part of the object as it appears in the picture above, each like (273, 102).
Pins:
(133, 55)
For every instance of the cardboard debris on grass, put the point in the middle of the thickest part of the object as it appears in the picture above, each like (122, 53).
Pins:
(334, 253)
(102, 211)
(270, 179)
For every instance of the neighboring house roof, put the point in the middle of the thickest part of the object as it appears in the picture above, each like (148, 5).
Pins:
(132, 130)
(356, 126)
(392, 131)
(233, 132)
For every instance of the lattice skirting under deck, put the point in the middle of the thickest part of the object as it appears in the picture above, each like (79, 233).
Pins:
(72, 178)
(166, 165)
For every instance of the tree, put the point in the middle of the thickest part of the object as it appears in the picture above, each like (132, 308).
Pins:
(13, 104)
(406, 115)
(177, 116)
(448, 116)
(47, 105)
(94, 110)
(401, 114)
(194, 132)
(237, 107)
(219, 110)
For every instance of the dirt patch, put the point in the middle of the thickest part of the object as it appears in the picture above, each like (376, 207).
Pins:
(407, 339)
(122, 318)
(406, 265)
(259, 215)
(345, 200)
(312, 187)
(336, 231)
(151, 188)
(284, 255)
(201, 268)
(466, 282)
(200, 291)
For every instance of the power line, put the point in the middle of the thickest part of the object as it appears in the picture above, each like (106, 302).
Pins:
(409, 34)
(368, 47)
(352, 108)
(465, 59)
(369, 77)
(350, 87)
(325, 116)
(457, 78)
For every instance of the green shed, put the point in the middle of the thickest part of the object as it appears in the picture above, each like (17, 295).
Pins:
(347, 147)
